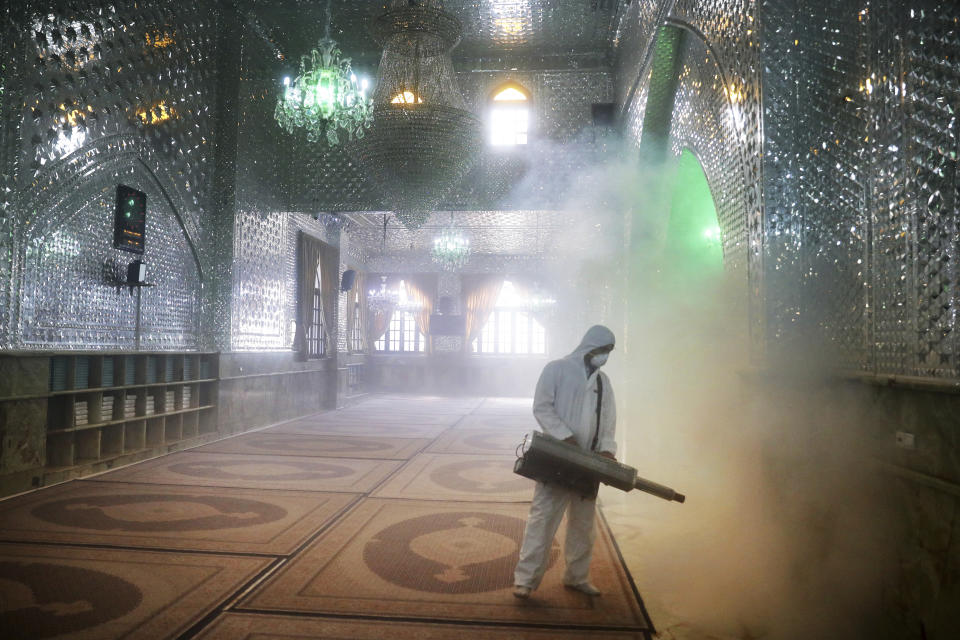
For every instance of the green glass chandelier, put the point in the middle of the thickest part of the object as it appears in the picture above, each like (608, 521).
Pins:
(326, 98)
(451, 249)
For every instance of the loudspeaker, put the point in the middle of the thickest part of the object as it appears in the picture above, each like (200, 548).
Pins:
(136, 272)
(604, 114)
(445, 305)
(346, 282)
(130, 219)
(447, 325)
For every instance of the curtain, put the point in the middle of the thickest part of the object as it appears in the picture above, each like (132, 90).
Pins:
(308, 257)
(329, 291)
(479, 294)
(350, 310)
(379, 321)
(361, 283)
(422, 289)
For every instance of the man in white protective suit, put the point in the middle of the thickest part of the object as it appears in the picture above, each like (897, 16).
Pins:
(573, 402)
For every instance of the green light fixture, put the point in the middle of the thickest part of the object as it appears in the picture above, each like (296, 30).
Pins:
(326, 98)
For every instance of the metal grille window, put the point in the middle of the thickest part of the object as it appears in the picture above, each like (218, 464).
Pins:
(356, 333)
(511, 329)
(316, 336)
(402, 335)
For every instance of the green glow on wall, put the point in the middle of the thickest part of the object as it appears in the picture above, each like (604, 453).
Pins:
(694, 248)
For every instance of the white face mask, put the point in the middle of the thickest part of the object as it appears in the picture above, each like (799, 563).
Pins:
(598, 359)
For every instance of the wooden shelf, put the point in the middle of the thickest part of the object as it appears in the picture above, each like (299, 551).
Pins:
(145, 385)
(84, 427)
(103, 387)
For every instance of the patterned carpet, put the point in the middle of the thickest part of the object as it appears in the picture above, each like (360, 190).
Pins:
(286, 444)
(477, 441)
(444, 477)
(399, 517)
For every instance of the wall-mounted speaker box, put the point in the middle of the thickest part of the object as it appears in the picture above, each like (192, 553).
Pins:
(346, 281)
(445, 305)
(130, 219)
(447, 325)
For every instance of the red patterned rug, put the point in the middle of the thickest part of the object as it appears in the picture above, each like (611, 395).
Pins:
(166, 517)
(442, 561)
(462, 477)
(324, 446)
(366, 429)
(52, 591)
(501, 442)
(239, 626)
(517, 424)
(253, 471)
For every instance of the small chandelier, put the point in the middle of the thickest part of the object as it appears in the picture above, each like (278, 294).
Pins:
(451, 249)
(382, 300)
(326, 97)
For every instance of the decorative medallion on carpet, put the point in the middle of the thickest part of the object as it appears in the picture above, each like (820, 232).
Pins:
(517, 424)
(287, 444)
(418, 404)
(442, 561)
(167, 517)
(521, 406)
(384, 417)
(279, 472)
(240, 626)
(477, 441)
(310, 427)
(462, 477)
(52, 591)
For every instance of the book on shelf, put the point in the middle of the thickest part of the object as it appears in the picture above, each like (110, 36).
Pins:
(106, 408)
(80, 412)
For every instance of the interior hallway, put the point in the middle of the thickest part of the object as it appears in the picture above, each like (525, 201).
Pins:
(396, 517)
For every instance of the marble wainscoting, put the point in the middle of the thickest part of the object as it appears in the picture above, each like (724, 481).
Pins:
(258, 389)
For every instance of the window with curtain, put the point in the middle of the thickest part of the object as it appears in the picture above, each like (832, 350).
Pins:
(402, 335)
(316, 336)
(356, 331)
(511, 328)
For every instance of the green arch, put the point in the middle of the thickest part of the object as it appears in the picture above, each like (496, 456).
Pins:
(693, 247)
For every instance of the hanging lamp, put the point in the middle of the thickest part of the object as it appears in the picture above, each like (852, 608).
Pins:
(326, 99)
(424, 140)
(451, 249)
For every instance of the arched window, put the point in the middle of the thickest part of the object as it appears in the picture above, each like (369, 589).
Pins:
(402, 334)
(509, 115)
(511, 328)
(316, 336)
(356, 329)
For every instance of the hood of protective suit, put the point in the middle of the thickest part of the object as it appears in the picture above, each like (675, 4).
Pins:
(564, 402)
(596, 336)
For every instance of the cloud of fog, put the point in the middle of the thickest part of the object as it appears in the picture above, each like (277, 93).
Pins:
(786, 533)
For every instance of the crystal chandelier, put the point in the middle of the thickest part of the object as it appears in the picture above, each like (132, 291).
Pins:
(382, 300)
(424, 140)
(451, 249)
(326, 97)
(412, 219)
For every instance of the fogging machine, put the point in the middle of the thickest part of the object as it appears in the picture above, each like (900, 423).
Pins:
(556, 462)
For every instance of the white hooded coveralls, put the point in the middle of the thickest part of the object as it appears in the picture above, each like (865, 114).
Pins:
(565, 405)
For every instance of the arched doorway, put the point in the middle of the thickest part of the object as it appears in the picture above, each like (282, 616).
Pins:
(693, 247)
